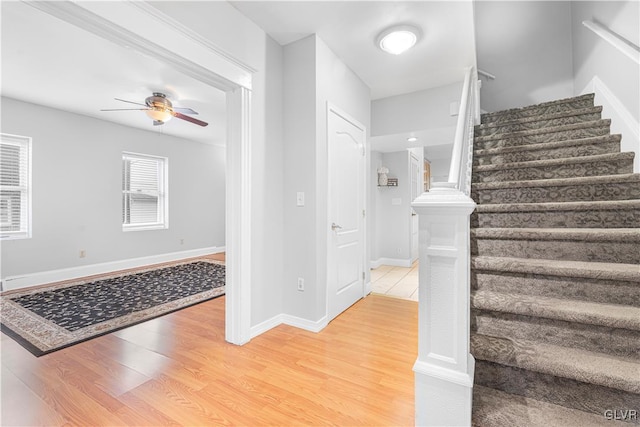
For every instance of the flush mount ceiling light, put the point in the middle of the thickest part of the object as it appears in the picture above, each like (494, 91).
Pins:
(398, 39)
(412, 139)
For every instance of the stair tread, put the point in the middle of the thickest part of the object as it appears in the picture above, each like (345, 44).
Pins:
(540, 105)
(559, 182)
(546, 145)
(592, 313)
(554, 162)
(578, 269)
(541, 118)
(567, 362)
(553, 129)
(559, 206)
(499, 409)
(578, 234)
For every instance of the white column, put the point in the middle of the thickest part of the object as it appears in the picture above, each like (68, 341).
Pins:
(238, 217)
(444, 368)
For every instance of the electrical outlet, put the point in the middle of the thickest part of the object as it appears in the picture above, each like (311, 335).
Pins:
(300, 284)
(182, 241)
(83, 253)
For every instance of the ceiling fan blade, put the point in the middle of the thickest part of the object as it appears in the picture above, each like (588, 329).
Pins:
(189, 119)
(184, 110)
(125, 109)
(130, 102)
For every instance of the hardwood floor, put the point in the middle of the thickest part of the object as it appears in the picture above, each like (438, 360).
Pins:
(178, 370)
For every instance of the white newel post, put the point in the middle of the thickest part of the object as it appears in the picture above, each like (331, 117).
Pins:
(444, 368)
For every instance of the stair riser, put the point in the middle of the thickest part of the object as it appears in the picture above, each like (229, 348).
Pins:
(512, 141)
(570, 170)
(616, 342)
(557, 390)
(541, 124)
(565, 193)
(547, 154)
(558, 219)
(533, 112)
(617, 252)
(581, 289)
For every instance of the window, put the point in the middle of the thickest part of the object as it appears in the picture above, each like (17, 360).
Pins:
(144, 192)
(15, 187)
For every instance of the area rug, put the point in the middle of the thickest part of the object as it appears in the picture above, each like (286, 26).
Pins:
(50, 318)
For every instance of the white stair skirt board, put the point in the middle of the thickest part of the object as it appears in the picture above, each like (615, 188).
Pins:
(44, 277)
(396, 262)
(286, 319)
(622, 121)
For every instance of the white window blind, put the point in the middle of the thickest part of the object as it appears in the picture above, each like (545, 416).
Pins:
(144, 195)
(15, 186)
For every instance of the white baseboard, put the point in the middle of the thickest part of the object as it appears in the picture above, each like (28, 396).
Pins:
(263, 327)
(287, 319)
(367, 288)
(622, 121)
(44, 277)
(396, 262)
(307, 325)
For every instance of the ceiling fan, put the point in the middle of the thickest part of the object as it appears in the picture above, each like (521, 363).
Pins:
(159, 108)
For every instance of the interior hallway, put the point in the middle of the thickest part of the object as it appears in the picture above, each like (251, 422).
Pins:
(399, 282)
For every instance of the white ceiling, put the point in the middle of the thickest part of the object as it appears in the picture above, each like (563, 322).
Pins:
(49, 62)
(350, 28)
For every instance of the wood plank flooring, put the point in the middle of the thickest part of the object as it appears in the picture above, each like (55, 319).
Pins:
(178, 370)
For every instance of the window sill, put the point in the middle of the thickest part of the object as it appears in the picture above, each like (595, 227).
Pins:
(144, 227)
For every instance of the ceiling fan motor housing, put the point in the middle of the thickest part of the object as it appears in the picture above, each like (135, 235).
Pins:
(159, 102)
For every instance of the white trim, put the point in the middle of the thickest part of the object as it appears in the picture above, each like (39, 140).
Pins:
(238, 217)
(396, 262)
(622, 121)
(307, 325)
(451, 375)
(287, 319)
(268, 324)
(44, 277)
(368, 288)
(629, 49)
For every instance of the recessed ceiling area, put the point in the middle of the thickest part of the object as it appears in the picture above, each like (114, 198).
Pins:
(52, 63)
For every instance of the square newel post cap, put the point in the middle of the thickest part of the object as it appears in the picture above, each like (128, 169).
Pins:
(444, 198)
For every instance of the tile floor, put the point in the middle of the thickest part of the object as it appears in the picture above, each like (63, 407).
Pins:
(399, 282)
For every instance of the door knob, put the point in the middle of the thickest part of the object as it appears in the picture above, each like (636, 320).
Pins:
(335, 226)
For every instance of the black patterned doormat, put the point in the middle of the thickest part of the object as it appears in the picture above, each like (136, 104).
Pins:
(47, 319)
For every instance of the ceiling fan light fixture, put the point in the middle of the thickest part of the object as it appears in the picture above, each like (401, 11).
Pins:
(398, 39)
(159, 115)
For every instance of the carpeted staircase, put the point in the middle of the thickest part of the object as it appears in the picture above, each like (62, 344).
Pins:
(555, 245)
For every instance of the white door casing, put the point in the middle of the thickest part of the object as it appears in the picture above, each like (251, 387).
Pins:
(134, 25)
(346, 201)
(416, 180)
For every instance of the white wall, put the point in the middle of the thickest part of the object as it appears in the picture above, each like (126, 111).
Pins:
(77, 192)
(425, 109)
(314, 75)
(598, 67)
(527, 46)
(393, 211)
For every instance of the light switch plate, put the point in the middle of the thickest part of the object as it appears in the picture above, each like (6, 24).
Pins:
(300, 198)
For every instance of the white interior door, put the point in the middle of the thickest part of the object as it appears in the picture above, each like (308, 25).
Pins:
(346, 249)
(416, 183)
